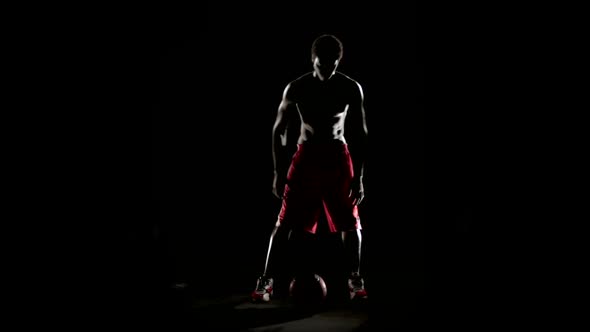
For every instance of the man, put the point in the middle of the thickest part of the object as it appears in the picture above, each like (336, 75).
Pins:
(326, 171)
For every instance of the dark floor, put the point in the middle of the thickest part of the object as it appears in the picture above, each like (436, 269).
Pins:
(235, 312)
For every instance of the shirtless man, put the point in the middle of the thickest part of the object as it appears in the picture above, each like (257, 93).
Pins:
(323, 174)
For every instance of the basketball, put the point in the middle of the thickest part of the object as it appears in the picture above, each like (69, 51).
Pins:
(308, 289)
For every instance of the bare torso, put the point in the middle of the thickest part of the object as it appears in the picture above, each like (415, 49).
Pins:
(323, 106)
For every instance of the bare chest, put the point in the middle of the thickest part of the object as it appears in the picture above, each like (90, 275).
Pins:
(322, 102)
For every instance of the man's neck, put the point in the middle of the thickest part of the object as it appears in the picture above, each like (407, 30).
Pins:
(316, 75)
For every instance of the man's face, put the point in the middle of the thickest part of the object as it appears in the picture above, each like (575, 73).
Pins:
(325, 67)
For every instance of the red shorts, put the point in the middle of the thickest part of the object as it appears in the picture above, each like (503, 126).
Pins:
(319, 179)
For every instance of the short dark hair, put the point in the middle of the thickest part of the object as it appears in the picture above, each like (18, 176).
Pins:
(327, 46)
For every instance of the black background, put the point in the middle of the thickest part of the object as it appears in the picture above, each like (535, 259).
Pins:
(220, 84)
(219, 92)
(170, 173)
(128, 125)
(220, 80)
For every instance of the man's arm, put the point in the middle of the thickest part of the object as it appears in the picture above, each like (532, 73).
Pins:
(357, 139)
(279, 141)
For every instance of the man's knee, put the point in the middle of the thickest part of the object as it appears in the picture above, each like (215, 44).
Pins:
(300, 235)
(352, 235)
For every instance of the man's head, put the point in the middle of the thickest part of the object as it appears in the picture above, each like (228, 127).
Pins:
(326, 52)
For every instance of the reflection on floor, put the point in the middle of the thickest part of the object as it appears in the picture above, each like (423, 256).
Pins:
(238, 313)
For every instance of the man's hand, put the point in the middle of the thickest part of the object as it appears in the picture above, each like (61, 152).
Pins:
(357, 191)
(278, 186)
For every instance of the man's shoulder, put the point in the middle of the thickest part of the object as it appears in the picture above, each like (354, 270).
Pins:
(349, 84)
(347, 79)
(294, 88)
(302, 79)
(298, 83)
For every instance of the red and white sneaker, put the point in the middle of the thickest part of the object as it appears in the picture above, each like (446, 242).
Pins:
(356, 288)
(264, 289)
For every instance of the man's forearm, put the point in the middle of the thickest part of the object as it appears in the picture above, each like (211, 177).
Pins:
(359, 170)
(277, 154)
(358, 165)
(358, 152)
